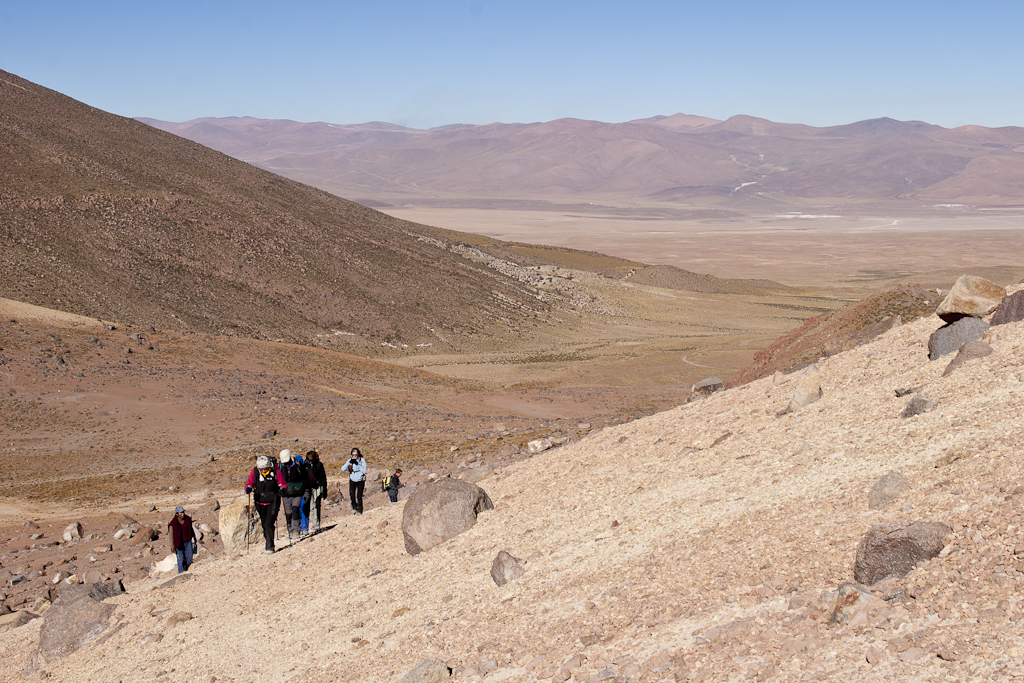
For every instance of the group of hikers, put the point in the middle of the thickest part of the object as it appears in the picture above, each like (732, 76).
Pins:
(299, 485)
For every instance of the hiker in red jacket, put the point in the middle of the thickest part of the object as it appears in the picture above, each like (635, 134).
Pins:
(183, 538)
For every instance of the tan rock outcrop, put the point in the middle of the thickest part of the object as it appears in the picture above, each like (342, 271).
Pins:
(970, 296)
(235, 518)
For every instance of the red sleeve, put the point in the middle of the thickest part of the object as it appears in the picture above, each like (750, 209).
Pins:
(281, 483)
(252, 479)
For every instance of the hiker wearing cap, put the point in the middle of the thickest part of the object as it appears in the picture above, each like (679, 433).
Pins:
(266, 484)
(356, 467)
(392, 484)
(317, 490)
(296, 479)
(183, 538)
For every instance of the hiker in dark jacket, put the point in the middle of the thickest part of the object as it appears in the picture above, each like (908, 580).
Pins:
(392, 485)
(183, 538)
(266, 484)
(296, 478)
(317, 490)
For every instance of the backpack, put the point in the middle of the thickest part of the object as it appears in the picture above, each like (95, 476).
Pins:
(385, 482)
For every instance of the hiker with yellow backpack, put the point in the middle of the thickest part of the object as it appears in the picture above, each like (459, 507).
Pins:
(391, 483)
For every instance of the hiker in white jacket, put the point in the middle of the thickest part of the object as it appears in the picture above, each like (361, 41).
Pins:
(356, 467)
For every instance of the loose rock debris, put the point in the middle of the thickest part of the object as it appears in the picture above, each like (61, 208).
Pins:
(728, 563)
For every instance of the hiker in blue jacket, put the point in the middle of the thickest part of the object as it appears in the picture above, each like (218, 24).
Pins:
(304, 504)
(356, 466)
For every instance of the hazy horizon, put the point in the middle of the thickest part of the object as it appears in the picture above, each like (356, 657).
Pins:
(476, 62)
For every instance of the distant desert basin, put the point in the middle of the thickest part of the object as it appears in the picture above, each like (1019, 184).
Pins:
(818, 246)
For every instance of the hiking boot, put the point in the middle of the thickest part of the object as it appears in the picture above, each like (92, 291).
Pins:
(268, 552)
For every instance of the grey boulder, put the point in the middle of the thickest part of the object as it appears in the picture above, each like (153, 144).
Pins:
(1011, 310)
(441, 510)
(970, 350)
(952, 336)
(917, 406)
(76, 617)
(707, 386)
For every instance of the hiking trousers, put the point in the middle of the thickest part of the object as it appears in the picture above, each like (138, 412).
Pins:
(268, 520)
(184, 554)
(316, 496)
(355, 494)
(293, 514)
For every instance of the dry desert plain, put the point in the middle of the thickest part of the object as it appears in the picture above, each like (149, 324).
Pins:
(856, 249)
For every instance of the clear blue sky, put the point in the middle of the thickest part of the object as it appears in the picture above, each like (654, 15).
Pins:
(425, 64)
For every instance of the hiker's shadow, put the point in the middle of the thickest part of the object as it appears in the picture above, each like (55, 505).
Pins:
(299, 539)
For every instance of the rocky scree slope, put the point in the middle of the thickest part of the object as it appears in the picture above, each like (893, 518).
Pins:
(704, 543)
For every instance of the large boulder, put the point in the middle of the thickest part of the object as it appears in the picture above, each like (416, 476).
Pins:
(952, 336)
(893, 550)
(1011, 310)
(970, 296)
(808, 390)
(506, 568)
(76, 617)
(234, 520)
(440, 510)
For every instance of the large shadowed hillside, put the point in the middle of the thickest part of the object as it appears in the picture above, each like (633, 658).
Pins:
(104, 216)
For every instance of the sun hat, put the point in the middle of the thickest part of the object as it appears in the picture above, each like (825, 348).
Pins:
(263, 462)
(178, 509)
(286, 455)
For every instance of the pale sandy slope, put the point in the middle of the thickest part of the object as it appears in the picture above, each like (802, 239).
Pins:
(707, 535)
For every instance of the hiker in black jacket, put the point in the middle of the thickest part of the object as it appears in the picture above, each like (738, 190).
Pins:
(266, 484)
(317, 490)
(392, 485)
(296, 478)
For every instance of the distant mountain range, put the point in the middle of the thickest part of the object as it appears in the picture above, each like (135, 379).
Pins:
(664, 159)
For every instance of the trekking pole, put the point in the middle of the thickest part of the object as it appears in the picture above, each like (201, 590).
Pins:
(248, 522)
